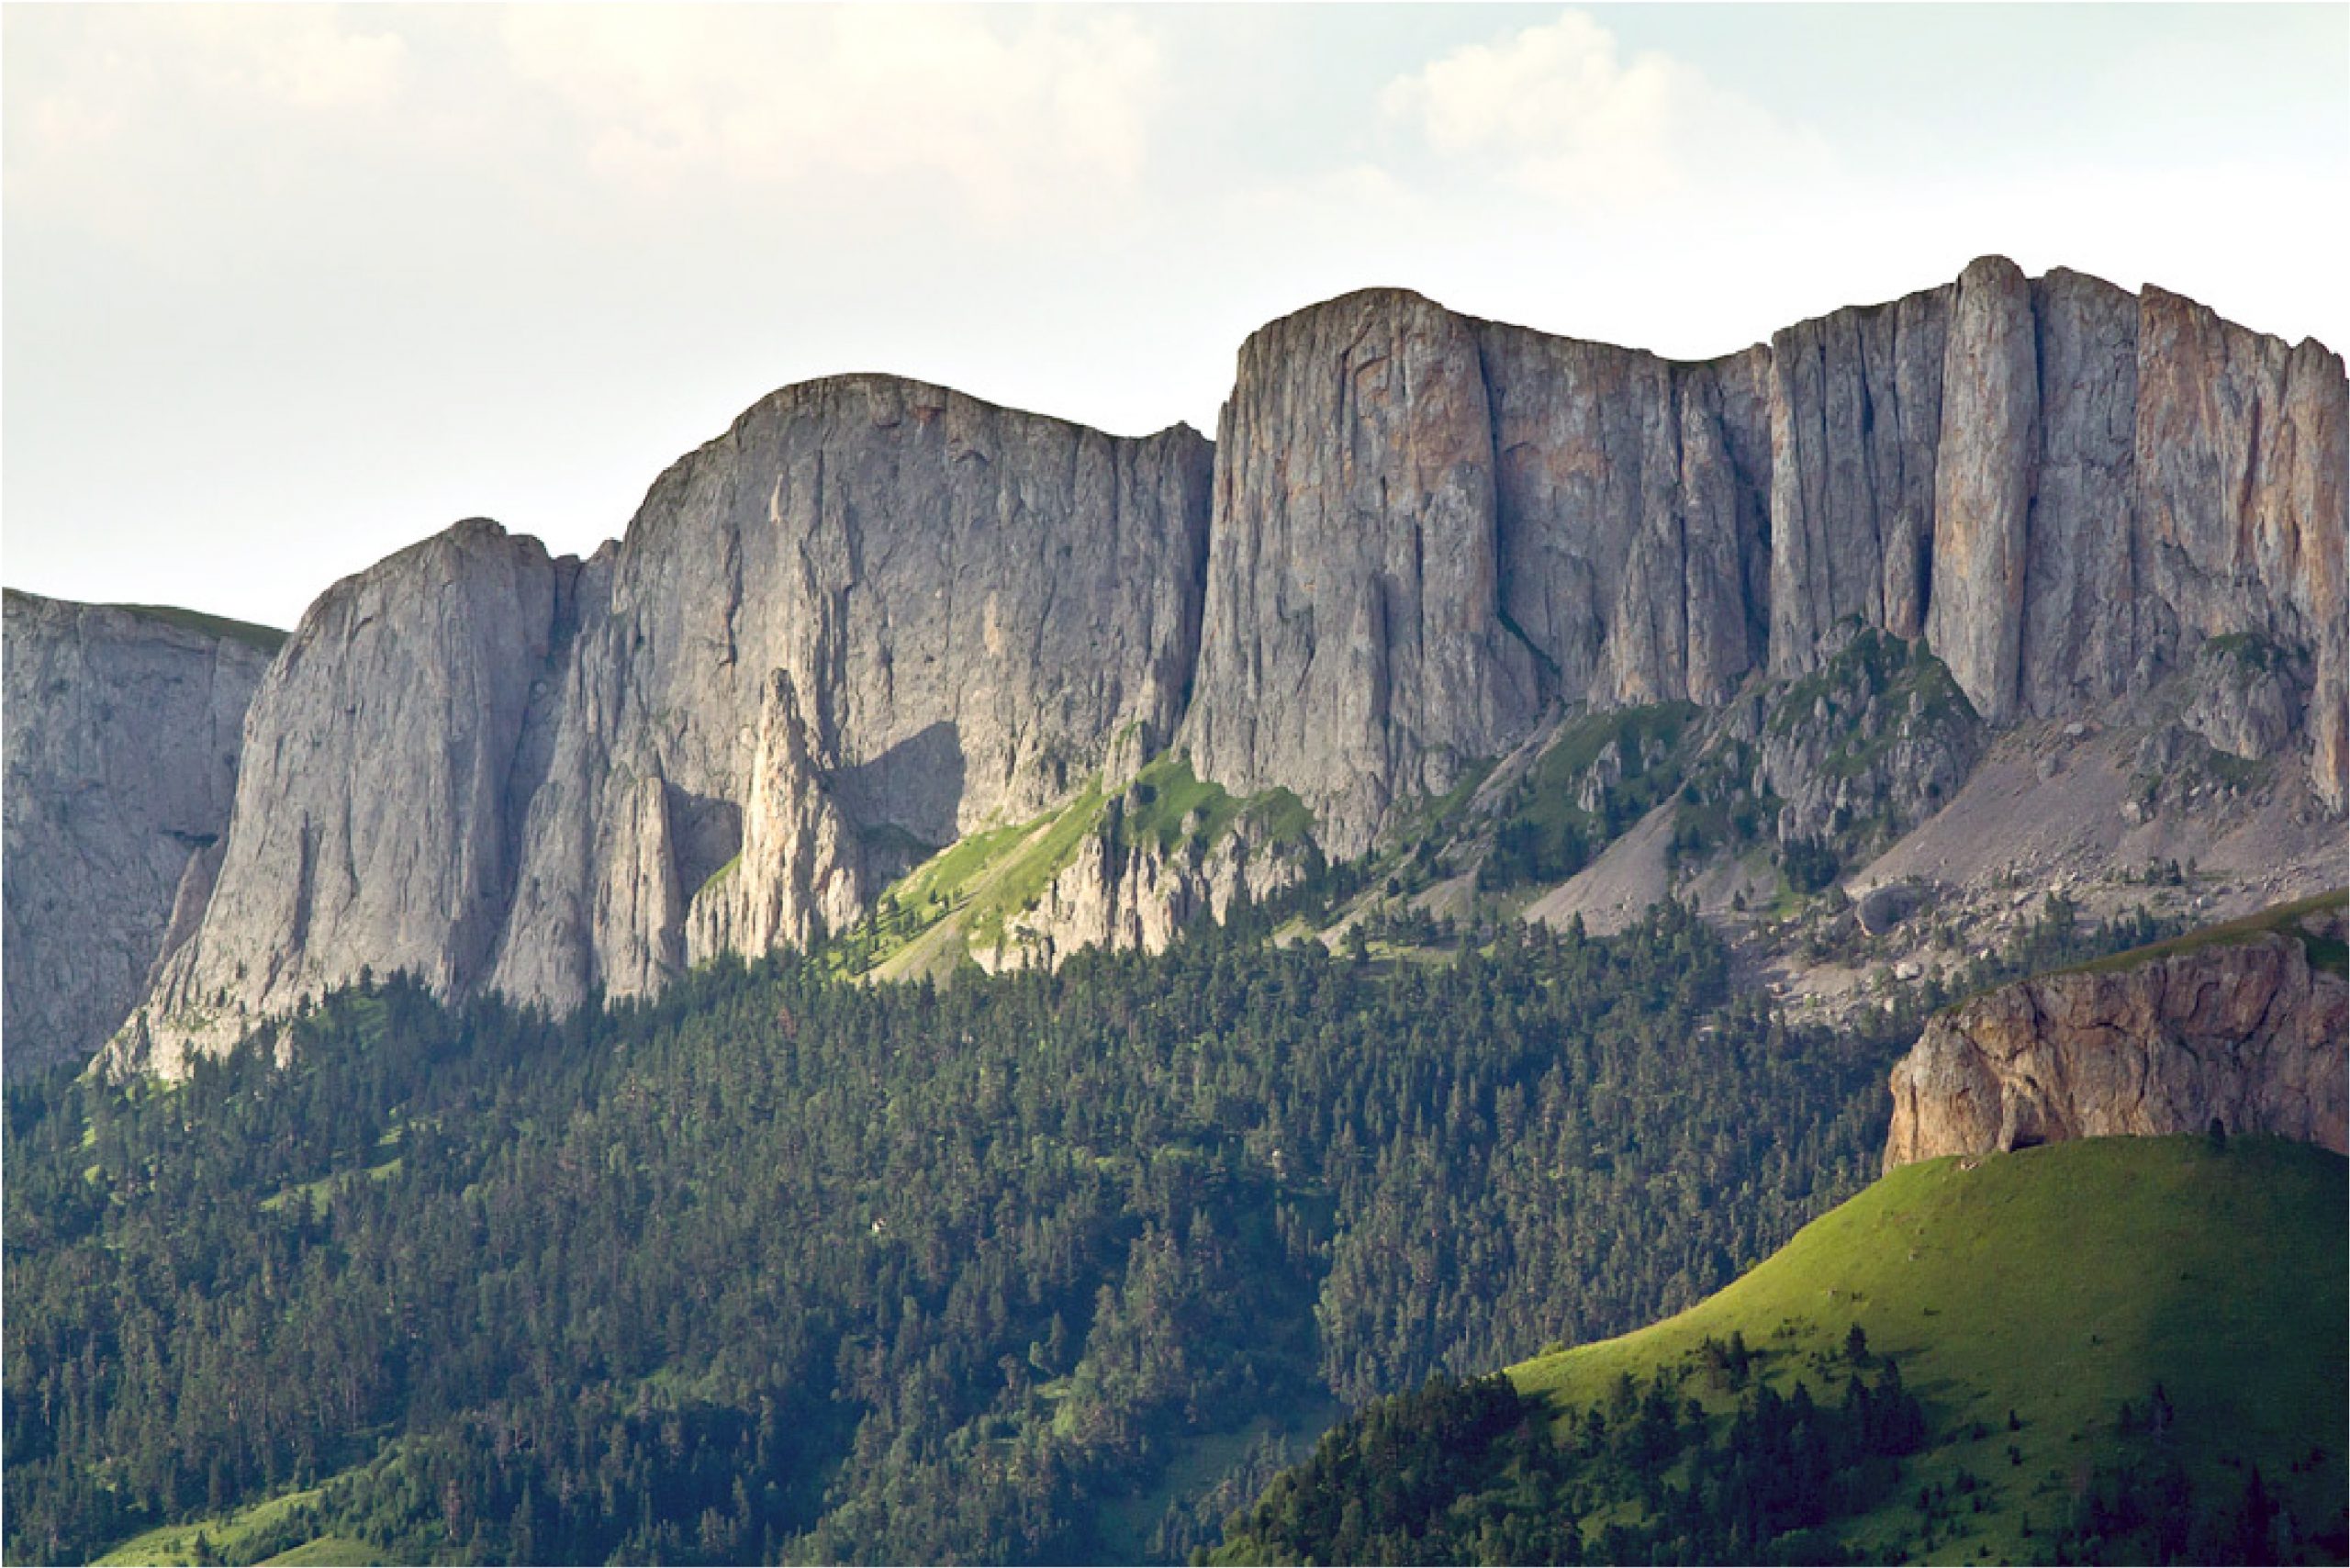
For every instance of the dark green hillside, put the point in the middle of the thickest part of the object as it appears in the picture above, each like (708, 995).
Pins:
(2104, 1341)
(783, 1266)
(1035, 1266)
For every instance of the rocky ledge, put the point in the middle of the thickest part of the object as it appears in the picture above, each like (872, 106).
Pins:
(2248, 1032)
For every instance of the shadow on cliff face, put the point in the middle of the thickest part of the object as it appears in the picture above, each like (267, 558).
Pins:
(915, 785)
(708, 831)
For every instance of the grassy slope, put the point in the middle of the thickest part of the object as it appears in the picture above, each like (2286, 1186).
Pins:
(2323, 953)
(2057, 1282)
(230, 1536)
(958, 899)
(268, 639)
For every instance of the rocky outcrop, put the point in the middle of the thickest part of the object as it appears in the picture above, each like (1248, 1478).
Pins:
(801, 875)
(967, 606)
(2245, 697)
(1866, 746)
(1117, 893)
(373, 820)
(871, 615)
(2246, 1033)
(121, 760)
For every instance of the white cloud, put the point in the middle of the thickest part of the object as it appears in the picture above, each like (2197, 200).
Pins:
(1555, 110)
(1009, 112)
(306, 60)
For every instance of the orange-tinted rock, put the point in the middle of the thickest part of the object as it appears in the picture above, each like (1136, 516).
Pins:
(2246, 1033)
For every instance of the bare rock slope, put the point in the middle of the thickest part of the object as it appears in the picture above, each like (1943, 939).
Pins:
(121, 756)
(2247, 1031)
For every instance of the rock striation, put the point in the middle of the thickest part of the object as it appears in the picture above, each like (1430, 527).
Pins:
(871, 617)
(1431, 531)
(123, 730)
(372, 827)
(2246, 1033)
(876, 614)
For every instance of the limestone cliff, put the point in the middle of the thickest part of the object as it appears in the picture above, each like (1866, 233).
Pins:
(372, 827)
(965, 605)
(2246, 1031)
(121, 757)
(874, 615)
(868, 617)
(1430, 530)
(1354, 645)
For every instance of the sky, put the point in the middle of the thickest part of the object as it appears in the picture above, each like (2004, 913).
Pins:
(284, 288)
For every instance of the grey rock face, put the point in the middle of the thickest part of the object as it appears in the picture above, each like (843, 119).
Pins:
(2063, 488)
(2242, 444)
(2079, 642)
(373, 818)
(1629, 510)
(1429, 530)
(874, 615)
(1855, 413)
(802, 871)
(2246, 699)
(968, 606)
(121, 759)
(1877, 738)
(1352, 646)
(1982, 469)
(866, 619)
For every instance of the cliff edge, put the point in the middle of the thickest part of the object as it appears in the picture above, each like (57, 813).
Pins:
(2245, 1026)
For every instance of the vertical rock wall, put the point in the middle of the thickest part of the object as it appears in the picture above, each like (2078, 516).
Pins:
(1984, 466)
(1855, 413)
(121, 764)
(872, 616)
(1352, 646)
(2062, 488)
(965, 606)
(373, 818)
(875, 614)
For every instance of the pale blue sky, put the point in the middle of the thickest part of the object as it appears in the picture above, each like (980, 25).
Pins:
(288, 288)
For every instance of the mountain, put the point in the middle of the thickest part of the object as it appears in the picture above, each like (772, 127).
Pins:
(2103, 1343)
(124, 726)
(885, 654)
